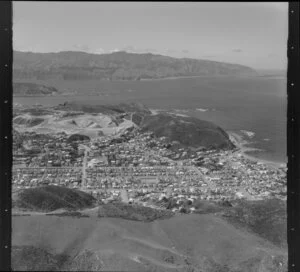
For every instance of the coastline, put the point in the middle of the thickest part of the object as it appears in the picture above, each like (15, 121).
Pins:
(195, 76)
(240, 143)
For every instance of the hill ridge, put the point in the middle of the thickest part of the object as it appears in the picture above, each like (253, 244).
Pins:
(118, 66)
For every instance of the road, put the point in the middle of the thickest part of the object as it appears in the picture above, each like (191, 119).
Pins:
(210, 184)
(84, 166)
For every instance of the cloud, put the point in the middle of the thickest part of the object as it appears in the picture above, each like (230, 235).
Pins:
(237, 50)
(88, 49)
(151, 50)
(99, 51)
(129, 48)
(134, 49)
(114, 50)
(185, 51)
(81, 47)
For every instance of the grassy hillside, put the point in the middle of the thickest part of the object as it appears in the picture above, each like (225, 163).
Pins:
(117, 66)
(182, 243)
(50, 198)
(266, 218)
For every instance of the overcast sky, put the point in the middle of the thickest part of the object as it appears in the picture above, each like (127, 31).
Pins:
(253, 34)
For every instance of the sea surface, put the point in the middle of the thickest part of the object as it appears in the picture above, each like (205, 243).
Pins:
(253, 107)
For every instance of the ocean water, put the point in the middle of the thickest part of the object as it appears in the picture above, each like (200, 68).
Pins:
(257, 105)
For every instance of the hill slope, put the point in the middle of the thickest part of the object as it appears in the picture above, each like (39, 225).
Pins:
(117, 66)
(267, 218)
(182, 243)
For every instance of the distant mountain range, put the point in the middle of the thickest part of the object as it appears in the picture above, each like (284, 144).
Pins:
(117, 66)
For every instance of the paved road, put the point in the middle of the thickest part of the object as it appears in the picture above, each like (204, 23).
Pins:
(84, 165)
(210, 184)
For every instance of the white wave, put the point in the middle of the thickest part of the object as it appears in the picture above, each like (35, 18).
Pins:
(178, 114)
(155, 111)
(179, 110)
(200, 109)
(250, 134)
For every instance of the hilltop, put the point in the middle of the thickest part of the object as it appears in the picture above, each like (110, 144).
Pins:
(188, 131)
(117, 66)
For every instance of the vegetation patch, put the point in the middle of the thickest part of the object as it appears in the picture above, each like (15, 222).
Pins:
(132, 212)
(50, 198)
(267, 218)
(29, 258)
(68, 213)
(78, 137)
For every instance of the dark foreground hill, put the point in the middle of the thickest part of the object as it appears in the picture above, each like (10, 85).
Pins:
(32, 89)
(199, 242)
(117, 66)
(50, 198)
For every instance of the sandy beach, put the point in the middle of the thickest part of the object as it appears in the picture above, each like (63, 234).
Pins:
(240, 143)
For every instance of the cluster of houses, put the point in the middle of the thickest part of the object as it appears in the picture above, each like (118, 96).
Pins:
(137, 151)
(145, 167)
(258, 180)
(39, 150)
(32, 177)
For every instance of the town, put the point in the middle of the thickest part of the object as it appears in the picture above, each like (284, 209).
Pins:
(138, 167)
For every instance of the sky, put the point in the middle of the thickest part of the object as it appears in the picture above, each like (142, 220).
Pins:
(253, 34)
